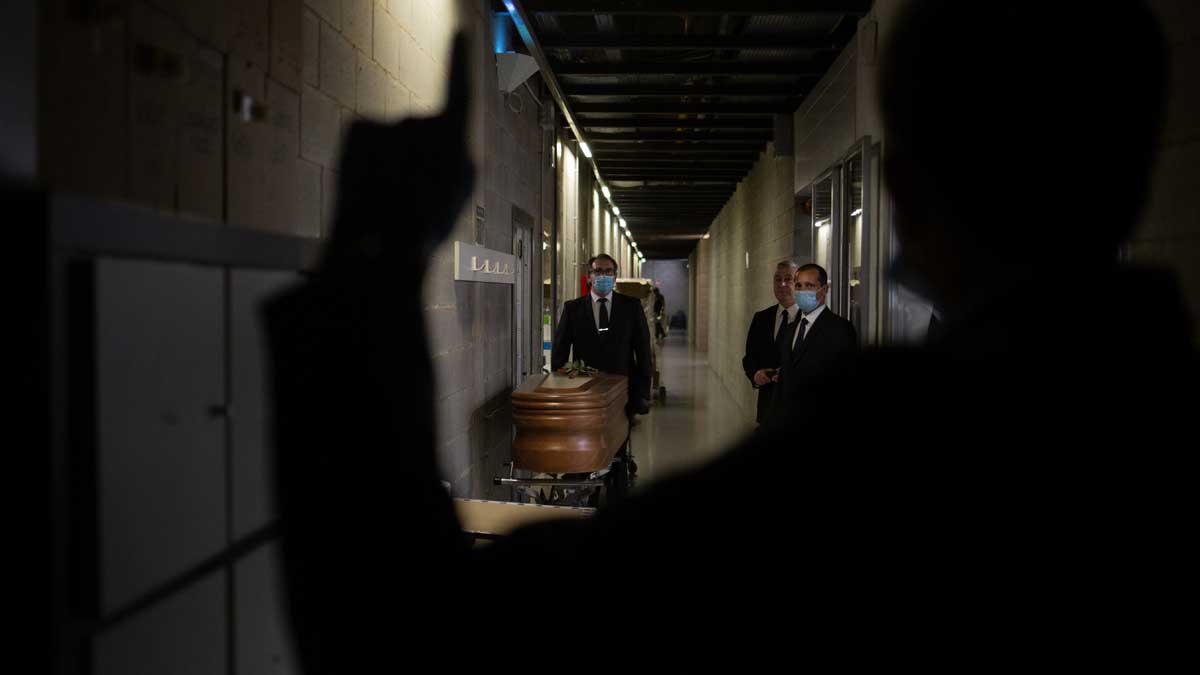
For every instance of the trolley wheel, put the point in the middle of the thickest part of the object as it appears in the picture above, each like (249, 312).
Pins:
(617, 483)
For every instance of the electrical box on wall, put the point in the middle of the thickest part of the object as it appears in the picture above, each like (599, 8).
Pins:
(512, 69)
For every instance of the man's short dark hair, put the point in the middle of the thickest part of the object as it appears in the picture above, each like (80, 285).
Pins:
(604, 256)
(822, 275)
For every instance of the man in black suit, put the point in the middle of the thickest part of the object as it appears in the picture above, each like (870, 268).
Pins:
(608, 332)
(761, 361)
(815, 349)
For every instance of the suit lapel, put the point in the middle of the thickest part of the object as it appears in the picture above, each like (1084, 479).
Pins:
(591, 316)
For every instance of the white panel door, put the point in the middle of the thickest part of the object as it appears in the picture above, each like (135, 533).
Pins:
(264, 644)
(182, 635)
(249, 412)
(160, 381)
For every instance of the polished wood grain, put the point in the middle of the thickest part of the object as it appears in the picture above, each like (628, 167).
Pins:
(576, 429)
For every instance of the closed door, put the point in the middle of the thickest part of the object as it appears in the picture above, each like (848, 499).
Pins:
(522, 227)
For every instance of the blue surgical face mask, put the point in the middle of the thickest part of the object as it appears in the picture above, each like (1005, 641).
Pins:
(807, 300)
(602, 284)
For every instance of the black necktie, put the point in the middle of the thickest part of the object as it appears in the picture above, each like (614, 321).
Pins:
(935, 329)
(603, 315)
(783, 326)
(800, 330)
(783, 341)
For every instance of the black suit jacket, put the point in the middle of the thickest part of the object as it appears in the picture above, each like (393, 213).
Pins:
(624, 350)
(823, 356)
(761, 353)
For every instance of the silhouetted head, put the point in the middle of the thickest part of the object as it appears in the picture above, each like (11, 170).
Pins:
(1018, 131)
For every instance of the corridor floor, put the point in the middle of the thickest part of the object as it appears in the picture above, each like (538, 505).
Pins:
(698, 420)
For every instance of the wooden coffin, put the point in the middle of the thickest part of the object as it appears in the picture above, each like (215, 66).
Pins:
(569, 425)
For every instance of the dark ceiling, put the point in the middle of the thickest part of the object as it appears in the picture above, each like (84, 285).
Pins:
(677, 98)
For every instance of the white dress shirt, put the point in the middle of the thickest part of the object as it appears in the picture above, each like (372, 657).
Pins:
(812, 318)
(780, 312)
(596, 307)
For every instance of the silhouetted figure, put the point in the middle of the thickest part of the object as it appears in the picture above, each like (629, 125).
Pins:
(660, 315)
(994, 498)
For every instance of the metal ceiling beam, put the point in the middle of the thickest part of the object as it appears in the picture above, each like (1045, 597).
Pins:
(685, 205)
(795, 69)
(673, 108)
(647, 221)
(697, 199)
(673, 210)
(674, 190)
(765, 89)
(667, 196)
(675, 166)
(689, 204)
(659, 172)
(722, 180)
(600, 138)
(699, 7)
(660, 160)
(635, 123)
(682, 155)
(634, 41)
(728, 147)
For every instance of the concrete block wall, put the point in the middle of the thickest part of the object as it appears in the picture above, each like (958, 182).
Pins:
(471, 324)
(137, 106)
(700, 266)
(752, 233)
(1169, 231)
(825, 123)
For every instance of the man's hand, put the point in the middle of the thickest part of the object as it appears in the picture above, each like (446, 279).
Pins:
(775, 375)
(763, 376)
(404, 184)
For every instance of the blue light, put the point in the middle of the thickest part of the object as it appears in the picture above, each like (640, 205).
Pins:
(500, 34)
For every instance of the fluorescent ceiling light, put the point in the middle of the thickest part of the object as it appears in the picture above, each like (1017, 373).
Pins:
(587, 152)
(606, 191)
(856, 213)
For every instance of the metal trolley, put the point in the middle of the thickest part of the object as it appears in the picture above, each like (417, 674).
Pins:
(605, 486)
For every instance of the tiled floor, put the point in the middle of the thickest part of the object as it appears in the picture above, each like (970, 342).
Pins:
(698, 420)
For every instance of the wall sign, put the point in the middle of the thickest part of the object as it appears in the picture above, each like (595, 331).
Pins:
(476, 263)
